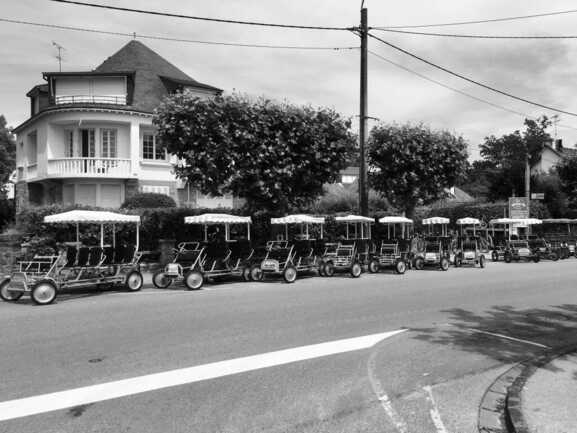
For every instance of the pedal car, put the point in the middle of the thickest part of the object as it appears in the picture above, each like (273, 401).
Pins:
(436, 254)
(517, 250)
(468, 252)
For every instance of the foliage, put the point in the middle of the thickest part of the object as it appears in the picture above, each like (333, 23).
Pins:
(555, 199)
(6, 212)
(7, 154)
(505, 157)
(143, 200)
(478, 179)
(567, 172)
(274, 155)
(412, 164)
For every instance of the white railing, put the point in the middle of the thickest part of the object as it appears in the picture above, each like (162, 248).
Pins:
(91, 99)
(89, 167)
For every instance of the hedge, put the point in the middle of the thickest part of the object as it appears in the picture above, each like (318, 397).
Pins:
(148, 200)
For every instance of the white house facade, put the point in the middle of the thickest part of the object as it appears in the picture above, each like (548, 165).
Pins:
(90, 139)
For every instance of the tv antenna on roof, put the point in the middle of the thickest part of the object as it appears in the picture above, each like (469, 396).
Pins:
(60, 48)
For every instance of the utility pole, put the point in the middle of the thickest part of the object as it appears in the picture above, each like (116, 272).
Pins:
(363, 189)
(59, 56)
(527, 179)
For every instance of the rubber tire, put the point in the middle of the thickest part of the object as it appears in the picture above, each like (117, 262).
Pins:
(6, 294)
(162, 284)
(41, 300)
(374, 266)
(289, 274)
(400, 267)
(256, 273)
(458, 262)
(246, 274)
(482, 262)
(329, 269)
(507, 258)
(322, 270)
(419, 263)
(139, 280)
(195, 284)
(536, 259)
(554, 257)
(356, 270)
(495, 256)
(444, 264)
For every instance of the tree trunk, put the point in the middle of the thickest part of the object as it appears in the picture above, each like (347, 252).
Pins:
(410, 210)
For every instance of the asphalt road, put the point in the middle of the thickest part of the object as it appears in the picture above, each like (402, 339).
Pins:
(463, 328)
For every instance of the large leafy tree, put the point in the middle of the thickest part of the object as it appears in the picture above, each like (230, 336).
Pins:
(567, 172)
(505, 157)
(275, 155)
(413, 164)
(7, 154)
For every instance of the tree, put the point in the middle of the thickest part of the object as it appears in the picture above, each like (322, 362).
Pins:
(7, 154)
(478, 179)
(567, 172)
(275, 155)
(413, 164)
(506, 157)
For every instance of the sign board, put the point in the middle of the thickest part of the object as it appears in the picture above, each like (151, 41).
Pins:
(518, 207)
(538, 196)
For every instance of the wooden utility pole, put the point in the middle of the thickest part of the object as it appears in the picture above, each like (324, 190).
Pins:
(363, 188)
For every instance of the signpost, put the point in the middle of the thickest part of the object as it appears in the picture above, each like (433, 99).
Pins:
(538, 196)
(518, 207)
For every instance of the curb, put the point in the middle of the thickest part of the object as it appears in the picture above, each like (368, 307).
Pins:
(513, 414)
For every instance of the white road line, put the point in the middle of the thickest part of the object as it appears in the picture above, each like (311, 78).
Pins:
(435, 415)
(382, 396)
(506, 337)
(136, 385)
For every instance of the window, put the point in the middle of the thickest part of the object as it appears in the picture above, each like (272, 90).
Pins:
(151, 149)
(108, 148)
(155, 189)
(68, 143)
(32, 145)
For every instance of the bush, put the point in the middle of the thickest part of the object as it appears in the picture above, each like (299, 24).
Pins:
(6, 213)
(148, 200)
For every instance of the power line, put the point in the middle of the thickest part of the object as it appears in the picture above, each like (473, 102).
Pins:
(470, 80)
(468, 95)
(493, 20)
(457, 35)
(192, 17)
(164, 38)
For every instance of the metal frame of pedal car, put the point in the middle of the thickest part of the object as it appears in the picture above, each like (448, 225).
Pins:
(78, 267)
(389, 253)
(468, 252)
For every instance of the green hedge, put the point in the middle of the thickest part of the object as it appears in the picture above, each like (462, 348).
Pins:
(148, 200)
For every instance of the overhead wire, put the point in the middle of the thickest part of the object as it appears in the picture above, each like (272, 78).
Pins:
(199, 18)
(470, 80)
(461, 92)
(468, 36)
(490, 20)
(166, 38)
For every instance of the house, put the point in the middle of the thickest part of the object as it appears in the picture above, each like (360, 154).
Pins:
(90, 139)
(551, 155)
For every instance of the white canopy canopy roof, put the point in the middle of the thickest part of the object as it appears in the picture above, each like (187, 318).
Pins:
(395, 220)
(559, 221)
(468, 221)
(354, 219)
(436, 220)
(217, 218)
(298, 219)
(90, 216)
(516, 221)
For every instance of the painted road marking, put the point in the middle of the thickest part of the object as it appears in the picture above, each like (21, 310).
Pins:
(136, 385)
(506, 337)
(435, 414)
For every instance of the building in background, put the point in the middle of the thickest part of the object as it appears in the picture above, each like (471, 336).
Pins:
(90, 139)
(551, 155)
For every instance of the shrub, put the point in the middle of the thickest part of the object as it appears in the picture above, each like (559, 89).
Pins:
(148, 200)
(6, 212)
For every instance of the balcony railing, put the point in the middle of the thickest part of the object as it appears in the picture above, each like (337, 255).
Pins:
(90, 99)
(89, 167)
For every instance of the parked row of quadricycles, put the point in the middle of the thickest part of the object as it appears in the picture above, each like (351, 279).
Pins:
(225, 250)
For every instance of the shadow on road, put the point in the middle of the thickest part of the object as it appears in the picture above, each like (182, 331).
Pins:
(521, 334)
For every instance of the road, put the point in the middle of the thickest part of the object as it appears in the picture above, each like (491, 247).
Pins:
(460, 330)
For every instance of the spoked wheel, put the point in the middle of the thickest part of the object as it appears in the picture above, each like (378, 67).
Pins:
(6, 294)
(134, 281)
(44, 293)
(419, 263)
(290, 274)
(400, 267)
(374, 266)
(256, 273)
(536, 259)
(322, 269)
(554, 257)
(458, 262)
(482, 261)
(160, 280)
(356, 270)
(495, 256)
(246, 274)
(507, 258)
(329, 269)
(444, 265)
(193, 280)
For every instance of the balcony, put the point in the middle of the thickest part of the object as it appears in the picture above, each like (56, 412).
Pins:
(89, 167)
(91, 99)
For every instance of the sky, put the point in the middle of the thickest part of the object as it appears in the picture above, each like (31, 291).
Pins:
(539, 70)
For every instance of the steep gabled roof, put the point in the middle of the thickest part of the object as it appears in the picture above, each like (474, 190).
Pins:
(151, 73)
